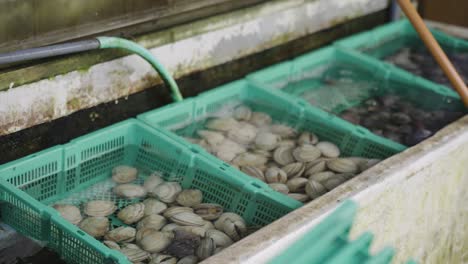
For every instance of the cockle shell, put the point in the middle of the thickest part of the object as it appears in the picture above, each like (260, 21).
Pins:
(306, 153)
(299, 197)
(152, 181)
(219, 238)
(267, 141)
(163, 259)
(342, 165)
(260, 119)
(227, 216)
(95, 226)
(208, 211)
(142, 232)
(124, 174)
(222, 124)
(196, 230)
(209, 225)
(153, 206)
(213, 138)
(254, 172)
(328, 149)
(322, 176)
(170, 227)
(267, 154)
(134, 253)
(279, 187)
(307, 138)
(297, 184)
(289, 143)
(206, 248)
(129, 191)
(156, 241)
(249, 159)
(177, 210)
(99, 208)
(166, 192)
(283, 131)
(189, 197)
(294, 170)
(315, 189)
(152, 221)
(242, 113)
(69, 212)
(275, 175)
(111, 244)
(244, 134)
(121, 234)
(187, 219)
(132, 213)
(188, 260)
(228, 150)
(232, 225)
(283, 155)
(315, 167)
(333, 182)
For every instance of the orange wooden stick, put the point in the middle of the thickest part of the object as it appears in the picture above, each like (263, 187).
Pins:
(435, 49)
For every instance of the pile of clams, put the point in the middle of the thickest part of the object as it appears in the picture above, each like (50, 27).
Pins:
(293, 163)
(168, 225)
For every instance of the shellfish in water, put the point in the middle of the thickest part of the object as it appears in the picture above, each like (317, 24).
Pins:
(99, 208)
(132, 213)
(129, 191)
(124, 174)
(167, 192)
(190, 197)
(69, 212)
(95, 226)
(121, 234)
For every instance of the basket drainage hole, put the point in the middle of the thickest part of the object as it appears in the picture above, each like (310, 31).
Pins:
(256, 185)
(81, 232)
(194, 150)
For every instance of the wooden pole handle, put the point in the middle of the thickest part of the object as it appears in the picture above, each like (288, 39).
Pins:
(435, 49)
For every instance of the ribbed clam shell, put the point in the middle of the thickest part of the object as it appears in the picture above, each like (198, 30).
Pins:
(208, 211)
(315, 167)
(95, 226)
(260, 119)
(234, 229)
(206, 248)
(333, 182)
(121, 234)
(190, 197)
(306, 153)
(166, 192)
(249, 159)
(153, 221)
(307, 138)
(283, 131)
(188, 260)
(153, 206)
(244, 134)
(227, 216)
(135, 254)
(111, 244)
(347, 176)
(363, 163)
(132, 213)
(124, 174)
(275, 175)
(170, 227)
(213, 138)
(163, 259)
(196, 230)
(342, 166)
(254, 172)
(152, 181)
(187, 219)
(129, 191)
(289, 143)
(99, 208)
(176, 210)
(322, 176)
(328, 149)
(267, 154)
(155, 242)
(279, 187)
(219, 238)
(283, 155)
(267, 141)
(142, 232)
(242, 113)
(315, 189)
(69, 212)
(297, 184)
(299, 197)
(294, 170)
(222, 124)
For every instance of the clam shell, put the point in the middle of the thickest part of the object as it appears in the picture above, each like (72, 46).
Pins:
(254, 172)
(152, 221)
(347, 176)
(69, 212)
(244, 134)
(267, 141)
(156, 241)
(142, 232)
(188, 260)
(363, 163)
(99, 208)
(328, 149)
(294, 170)
(208, 225)
(306, 153)
(129, 191)
(342, 166)
(189, 197)
(196, 230)
(249, 159)
(265, 153)
(283, 131)
(202, 143)
(317, 167)
(121, 234)
(111, 244)
(176, 210)
(219, 238)
(307, 138)
(333, 182)
(222, 124)
(315, 189)
(287, 143)
(132, 213)
(297, 184)
(206, 248)
(153, 206)
(279, 187)
(234, 229)
(242, 113)
(187, 219)
(275, 175)
(170, 227)
(283, 155)
(152, 181)
(227, 216)
(95, 226)
(134, 254)
(213, 138)
(208, 211)
(124, 174)
(166, 192)
(322, 176)
(260, 119)
(163, 259)
(299, 197)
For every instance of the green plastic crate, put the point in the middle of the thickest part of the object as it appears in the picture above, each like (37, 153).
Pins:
(81, 170)
(388, 39)
(185, 118)
(305, 78)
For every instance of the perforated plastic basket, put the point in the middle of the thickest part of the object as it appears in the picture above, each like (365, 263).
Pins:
(185, 118)
(306, 78)
(81, 170)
